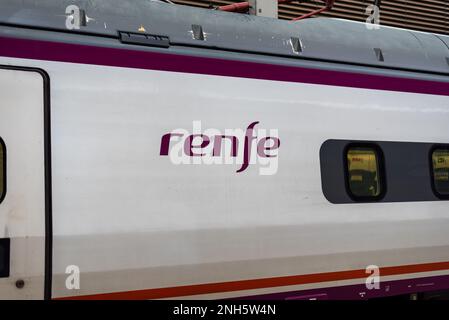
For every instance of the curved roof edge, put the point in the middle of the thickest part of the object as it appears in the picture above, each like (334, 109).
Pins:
(318, 38)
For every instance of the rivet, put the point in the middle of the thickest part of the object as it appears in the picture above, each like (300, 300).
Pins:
(20, 284)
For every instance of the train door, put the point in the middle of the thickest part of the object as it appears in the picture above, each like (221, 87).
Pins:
(24, 204)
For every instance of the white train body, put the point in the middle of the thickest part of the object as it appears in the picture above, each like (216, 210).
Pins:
(140, 224)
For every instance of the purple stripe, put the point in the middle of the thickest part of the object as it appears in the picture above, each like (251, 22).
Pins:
(75, 53)
(360, 292)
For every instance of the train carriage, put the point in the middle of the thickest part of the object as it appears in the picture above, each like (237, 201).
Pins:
(156, 151)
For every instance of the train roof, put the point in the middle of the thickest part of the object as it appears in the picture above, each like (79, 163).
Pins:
(323, 39)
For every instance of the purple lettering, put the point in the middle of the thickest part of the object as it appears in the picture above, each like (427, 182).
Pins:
(188, 144)
(247, 151)
(165, 142)
(262, 147)
(218, 144)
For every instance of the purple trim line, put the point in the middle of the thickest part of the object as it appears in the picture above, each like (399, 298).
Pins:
(360, 292)
(127, 58)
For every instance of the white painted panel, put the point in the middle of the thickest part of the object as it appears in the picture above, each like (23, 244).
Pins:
(131, 219)
(155, 224)
(22, 213)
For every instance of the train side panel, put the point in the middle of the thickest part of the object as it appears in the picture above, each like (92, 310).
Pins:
(137, 223)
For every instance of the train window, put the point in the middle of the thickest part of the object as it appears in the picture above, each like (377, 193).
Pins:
(364, 174)
(2, 170)
(440, 168)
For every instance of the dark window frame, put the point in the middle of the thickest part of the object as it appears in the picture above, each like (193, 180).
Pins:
(380, 171)
(432, 175)
(3, 192)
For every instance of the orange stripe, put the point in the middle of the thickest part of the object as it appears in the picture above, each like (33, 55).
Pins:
(159, 293)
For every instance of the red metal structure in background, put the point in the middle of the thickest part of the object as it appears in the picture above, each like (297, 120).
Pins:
(235, 7)
(244, 7)
(329, 5)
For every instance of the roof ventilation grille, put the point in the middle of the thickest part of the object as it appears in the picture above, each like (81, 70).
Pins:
(144, 39)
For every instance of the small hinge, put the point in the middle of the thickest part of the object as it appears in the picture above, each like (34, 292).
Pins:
(83, 18)
(296, 44)
(144, 39)
(198, 33)
(379, 54)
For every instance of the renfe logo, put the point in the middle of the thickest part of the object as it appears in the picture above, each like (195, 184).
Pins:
(235, 146)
